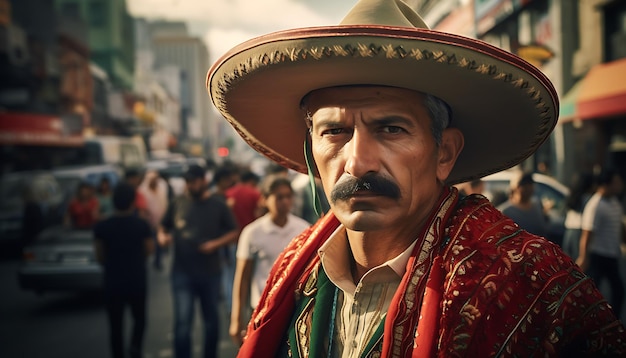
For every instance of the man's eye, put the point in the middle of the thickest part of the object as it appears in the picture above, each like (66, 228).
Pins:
(333, 131)
(392, 129)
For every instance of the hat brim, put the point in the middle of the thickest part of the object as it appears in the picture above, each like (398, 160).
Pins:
(504, 106)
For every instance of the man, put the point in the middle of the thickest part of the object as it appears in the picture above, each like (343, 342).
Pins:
(602, 234)
(83, 210)
(522, 208)
(400, 267)
(226, 177)
(259, 245)
(122, 243)
(199, 225)
(245, 199)
(134, 177)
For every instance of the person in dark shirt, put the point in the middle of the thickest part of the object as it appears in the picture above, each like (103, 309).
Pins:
(199, 224)
(122, 243)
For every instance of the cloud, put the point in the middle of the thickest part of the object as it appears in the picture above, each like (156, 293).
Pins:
(225, 23)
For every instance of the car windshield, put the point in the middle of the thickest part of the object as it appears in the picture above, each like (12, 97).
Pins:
(68, 185)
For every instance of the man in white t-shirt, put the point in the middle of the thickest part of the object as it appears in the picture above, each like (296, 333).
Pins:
(602, 234)
(259, 245)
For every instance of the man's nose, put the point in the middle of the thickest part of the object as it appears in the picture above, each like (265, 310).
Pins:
(362, 154)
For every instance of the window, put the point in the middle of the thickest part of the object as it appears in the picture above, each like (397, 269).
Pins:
(98, 13)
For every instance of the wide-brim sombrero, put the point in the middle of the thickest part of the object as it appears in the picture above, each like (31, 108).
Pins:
(504, 106)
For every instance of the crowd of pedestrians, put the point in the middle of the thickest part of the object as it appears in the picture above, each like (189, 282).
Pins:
(223, 235)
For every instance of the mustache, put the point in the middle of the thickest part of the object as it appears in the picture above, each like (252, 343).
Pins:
(373, 183)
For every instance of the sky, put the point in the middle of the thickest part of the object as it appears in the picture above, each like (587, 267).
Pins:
(222, 24)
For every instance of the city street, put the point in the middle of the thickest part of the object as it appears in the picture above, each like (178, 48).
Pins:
(64, 325)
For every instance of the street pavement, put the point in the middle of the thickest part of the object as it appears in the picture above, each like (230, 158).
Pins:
(68, 325)
(159, 338)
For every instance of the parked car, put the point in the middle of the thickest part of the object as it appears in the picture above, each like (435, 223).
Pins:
(17, 190)
(61, 259)
(550, 192)
(70, 177)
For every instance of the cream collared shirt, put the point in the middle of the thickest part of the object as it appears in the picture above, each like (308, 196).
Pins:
(361, 307)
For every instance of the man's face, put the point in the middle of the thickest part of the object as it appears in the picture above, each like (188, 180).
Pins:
(280, 201)
(526, 192)
(196, 187)
(382, 135)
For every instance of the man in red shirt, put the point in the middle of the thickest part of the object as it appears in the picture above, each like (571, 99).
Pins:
(82, 212)
(134, 178)
(244, 199)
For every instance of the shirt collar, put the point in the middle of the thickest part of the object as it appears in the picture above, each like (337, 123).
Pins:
(335, 258)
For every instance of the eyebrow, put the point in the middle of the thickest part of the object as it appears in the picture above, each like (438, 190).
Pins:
(394, 119)
(383, 121)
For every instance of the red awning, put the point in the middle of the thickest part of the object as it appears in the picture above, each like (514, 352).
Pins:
(36, 129)
(603, 91)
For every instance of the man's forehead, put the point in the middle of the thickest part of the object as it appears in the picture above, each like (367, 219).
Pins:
(329, 101)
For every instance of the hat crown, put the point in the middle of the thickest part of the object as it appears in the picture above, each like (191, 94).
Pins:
(383, 12)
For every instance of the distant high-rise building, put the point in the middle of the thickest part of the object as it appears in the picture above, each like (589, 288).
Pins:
(172, 45)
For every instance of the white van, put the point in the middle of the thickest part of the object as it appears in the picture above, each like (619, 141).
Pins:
(126, 152)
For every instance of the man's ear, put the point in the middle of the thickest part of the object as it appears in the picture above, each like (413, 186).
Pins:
(452, 142)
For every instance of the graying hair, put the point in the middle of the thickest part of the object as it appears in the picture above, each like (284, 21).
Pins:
(440, 116)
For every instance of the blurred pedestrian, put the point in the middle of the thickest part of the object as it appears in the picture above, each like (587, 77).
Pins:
(83, 209)
(245, 199)
(476, 186)
(225, 178)
(154, 190)
(134, 177)
(122, 243)
(602, 233)
(199, 225)
(104, 194)
(581, 190)
(522, 208)
(259, 245)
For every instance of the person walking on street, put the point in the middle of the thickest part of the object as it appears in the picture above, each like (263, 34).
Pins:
(154, 190)
(400, 266)
(134, 177)
(244, 198)
(122, 243)
(225, 178)
(198, 224)
(259, 245)
(522, 208)
(602, 233)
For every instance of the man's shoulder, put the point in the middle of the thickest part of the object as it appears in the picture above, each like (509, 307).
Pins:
(256, 225)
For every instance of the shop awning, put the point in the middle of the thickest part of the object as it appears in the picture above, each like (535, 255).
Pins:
(567, 106)
(40, 130)
(603, 91)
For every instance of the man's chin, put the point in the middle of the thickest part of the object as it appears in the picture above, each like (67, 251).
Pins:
(361, 220)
